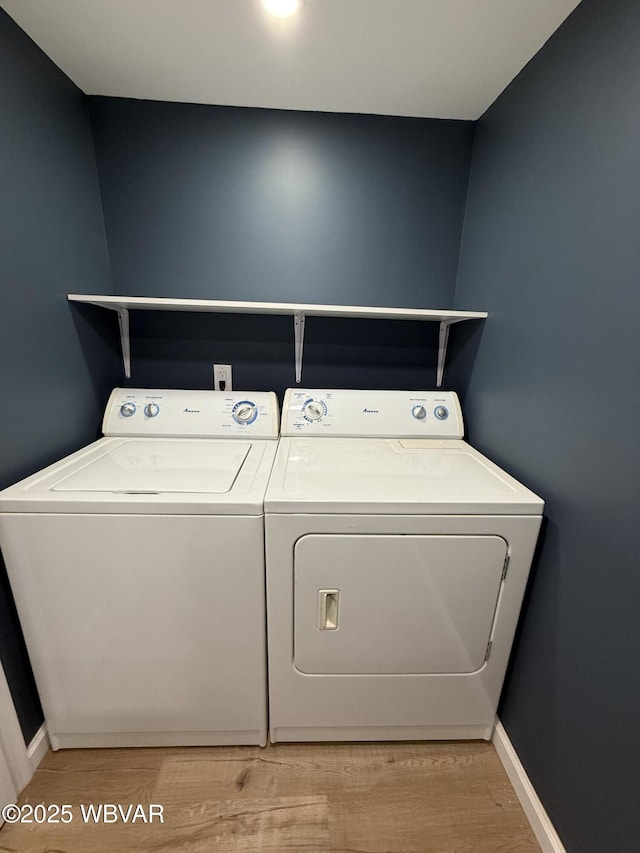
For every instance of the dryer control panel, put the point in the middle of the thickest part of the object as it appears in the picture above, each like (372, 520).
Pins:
(196, 414)
(375, 414)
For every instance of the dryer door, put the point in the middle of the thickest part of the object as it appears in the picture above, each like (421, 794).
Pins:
(395, 604)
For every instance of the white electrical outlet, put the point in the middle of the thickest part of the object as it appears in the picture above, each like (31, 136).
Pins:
(222, 377)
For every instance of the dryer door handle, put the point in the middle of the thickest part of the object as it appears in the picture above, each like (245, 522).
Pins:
(328, 606)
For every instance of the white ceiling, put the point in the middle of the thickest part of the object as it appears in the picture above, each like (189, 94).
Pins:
(432, 58)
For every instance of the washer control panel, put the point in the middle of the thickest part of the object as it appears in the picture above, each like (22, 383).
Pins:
(197, 414)
(399, 414)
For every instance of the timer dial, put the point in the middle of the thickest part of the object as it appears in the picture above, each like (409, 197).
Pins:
(314, 410)
(127, 409)
(245, 412)
(151, 410)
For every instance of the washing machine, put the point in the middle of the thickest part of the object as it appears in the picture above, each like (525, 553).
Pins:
(397, 558)
(137, 567)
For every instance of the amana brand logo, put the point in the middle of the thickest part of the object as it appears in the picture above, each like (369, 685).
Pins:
(192, 411)
(371, 411)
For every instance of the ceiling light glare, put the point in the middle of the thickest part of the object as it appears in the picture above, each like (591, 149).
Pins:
(281, 8)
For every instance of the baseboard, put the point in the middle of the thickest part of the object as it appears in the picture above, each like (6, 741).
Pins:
(548, 838)
(38, 747)
(12, 739)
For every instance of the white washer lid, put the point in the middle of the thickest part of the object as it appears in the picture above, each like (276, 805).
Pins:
(154, 466)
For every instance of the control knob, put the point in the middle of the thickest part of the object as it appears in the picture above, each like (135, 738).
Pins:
(245, 413)
(419, 412)
(127, 409)
(442, 413)
(314, 411)
(151, 410)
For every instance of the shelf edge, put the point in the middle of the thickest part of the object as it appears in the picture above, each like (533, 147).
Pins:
(146, 303)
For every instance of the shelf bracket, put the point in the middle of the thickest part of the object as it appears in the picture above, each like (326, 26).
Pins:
(122, 304)
(123, 322)
(298, 331)
(442, 350)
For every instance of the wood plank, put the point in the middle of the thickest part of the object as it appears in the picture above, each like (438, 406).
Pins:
(432, 797)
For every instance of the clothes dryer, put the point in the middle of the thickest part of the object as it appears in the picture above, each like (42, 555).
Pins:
(137, 567)
(397, 558)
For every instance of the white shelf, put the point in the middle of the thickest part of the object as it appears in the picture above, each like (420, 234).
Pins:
(147, 303)
(297, 310)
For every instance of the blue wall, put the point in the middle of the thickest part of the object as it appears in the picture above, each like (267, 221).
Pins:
(178, 350)
(251, 204)
(551, 249)
(56, 364)
(238, 203)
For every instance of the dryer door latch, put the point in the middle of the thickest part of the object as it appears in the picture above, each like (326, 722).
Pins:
(328, 609)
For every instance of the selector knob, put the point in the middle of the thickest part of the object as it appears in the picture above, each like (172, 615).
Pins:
(314, 411)
(127, 409)
(151, 410)
(245, 413)
(419, 412)
(442, 413)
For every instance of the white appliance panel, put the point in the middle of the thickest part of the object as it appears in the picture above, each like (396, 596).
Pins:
(388, 469)
(245, 496)
(161, 465)
(402, 604)
(196, 414)
(414, 414)
(391, 476)
(387, 706)
(143, 629)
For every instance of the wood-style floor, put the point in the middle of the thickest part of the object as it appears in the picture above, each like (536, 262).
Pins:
(444, 797)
